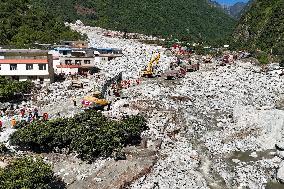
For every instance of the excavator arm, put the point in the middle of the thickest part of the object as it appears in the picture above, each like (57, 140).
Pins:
(149, 72)
(155, 60)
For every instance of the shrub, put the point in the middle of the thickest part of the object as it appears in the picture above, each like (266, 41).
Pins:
(28, 173)
(281, 61)
(9, 88)
(90, 134)
(262, 58)
(3, 148)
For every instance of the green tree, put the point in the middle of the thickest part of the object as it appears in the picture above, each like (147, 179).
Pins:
(28, 173)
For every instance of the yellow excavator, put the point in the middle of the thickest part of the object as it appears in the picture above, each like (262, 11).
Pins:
(95, 101)
(149, 71)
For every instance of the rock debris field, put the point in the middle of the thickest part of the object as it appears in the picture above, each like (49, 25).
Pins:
(219, 127)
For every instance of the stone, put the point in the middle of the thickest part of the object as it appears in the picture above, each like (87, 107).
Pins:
(280, 154)
(280, 172)
(253, 154)
(280, 145)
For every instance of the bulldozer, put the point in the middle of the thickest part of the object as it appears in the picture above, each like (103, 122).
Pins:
(149, 71)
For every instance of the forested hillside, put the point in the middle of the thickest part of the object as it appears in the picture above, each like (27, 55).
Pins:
(23, 23)
(195, 19)
(237, 9)
(262, 26)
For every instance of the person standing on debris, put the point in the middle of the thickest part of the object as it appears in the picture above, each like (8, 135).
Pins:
(1, 124)
(45, 116)
(30, 113)
(30, 118)
(13, 122)
(35, 113)
(22, 111)
(74, 101)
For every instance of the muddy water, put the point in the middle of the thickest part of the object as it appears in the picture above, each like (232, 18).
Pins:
(246, 156)
(274, 185)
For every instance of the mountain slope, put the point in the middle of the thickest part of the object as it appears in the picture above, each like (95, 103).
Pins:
(195, 19)
(236, 10)
(262, 26)
(23, 24)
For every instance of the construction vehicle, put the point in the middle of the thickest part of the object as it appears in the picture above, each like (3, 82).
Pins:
(192, 67)
(227, 59)
(176, 73)
(177, 70)
(150, 71)
(75, 82)
(96, 101)
(208, 59)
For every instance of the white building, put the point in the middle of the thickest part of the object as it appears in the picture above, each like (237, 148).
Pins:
(72, 60)
(25, 64)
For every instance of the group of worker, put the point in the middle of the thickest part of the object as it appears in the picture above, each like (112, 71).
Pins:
(18, 115)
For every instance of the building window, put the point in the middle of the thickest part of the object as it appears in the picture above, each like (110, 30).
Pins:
(68, 62)
(42, 66)
(78, 62)
(87, 62)
(13, 66)
(29, 66)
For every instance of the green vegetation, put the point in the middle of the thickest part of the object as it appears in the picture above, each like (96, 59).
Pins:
(9, 88)
(22, 24)
(262, 27)
(3, 148)
(89, 134)
(281, 61)
(195, 20)
(262, 57)
(28, 173)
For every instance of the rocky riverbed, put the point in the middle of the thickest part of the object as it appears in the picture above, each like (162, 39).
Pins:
(219, 127)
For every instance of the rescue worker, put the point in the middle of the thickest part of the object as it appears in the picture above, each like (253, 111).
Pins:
(45, 116)
(74, 101)
(35, 113)
(22, 111)
(13, 122)
(30, 118)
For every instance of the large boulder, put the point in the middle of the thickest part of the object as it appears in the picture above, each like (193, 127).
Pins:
(280, 172)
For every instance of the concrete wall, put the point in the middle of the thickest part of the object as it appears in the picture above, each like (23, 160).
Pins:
(21, 70)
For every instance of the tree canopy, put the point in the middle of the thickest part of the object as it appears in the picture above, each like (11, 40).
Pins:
(23, 23)
(193, 19)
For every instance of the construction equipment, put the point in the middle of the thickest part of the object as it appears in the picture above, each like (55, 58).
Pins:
(150, 70)
(192, 67)
(227, 59)
(95, 101)
(176, 73)
(208, 59)
(75, 82)
(177, 70)
(98, 99)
